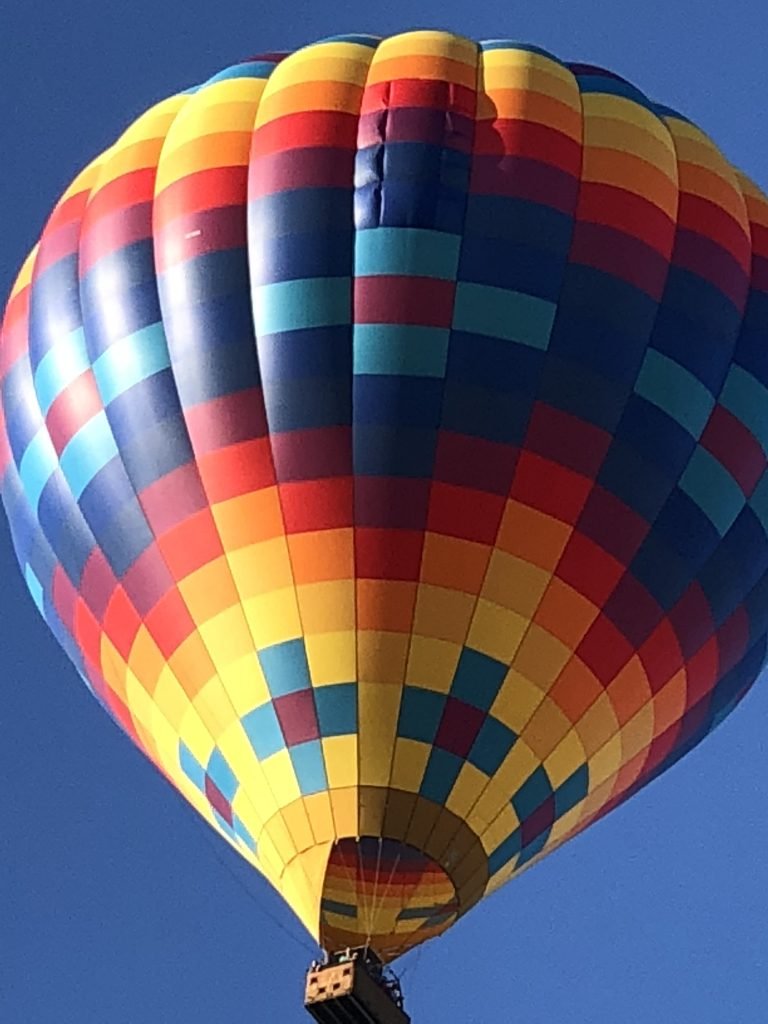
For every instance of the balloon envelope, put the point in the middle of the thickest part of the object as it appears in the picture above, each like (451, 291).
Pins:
(384, 439)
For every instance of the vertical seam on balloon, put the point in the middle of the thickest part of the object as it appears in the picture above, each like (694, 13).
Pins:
(289, 556)
(553, 574)
(191, 705)
(425, 529)
(264, 779)
(716, 400)
(493, 546)
(26, 362)
(478, 77)
(684, 467)
(353, 528)
(352, 425)
(213, 661)
(356, 890)
(583, 824)
(574, 526)
(13, 468)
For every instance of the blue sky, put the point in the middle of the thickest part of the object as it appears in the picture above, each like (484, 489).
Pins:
(116, 904)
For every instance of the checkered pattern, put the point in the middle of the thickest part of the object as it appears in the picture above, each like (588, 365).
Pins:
(383, 437)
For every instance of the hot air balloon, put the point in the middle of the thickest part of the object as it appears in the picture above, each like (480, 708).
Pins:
(383, 437)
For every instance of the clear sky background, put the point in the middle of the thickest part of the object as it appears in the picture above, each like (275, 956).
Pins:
(117, 905)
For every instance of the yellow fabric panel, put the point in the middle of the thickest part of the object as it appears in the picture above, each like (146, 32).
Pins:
(428, 42)
(226, 636)
(141, 706)
(341, 765)
(24, 275)
(171, 699)
(273, 618)
(276, 832)
(335, 52)
(409, 763)
(327, 607)
(546, 727)
(332, 657)
(320, 814)
(259, 569)
(514, 583)
(298, 824)
(381, 657)
(83, 181)
(516, 701)
(610, 118)
(597, 798)
(503, 70)
(304, 81)
(597, 725)
(322, 62)
(302, 883)
(605, 762)
(637, 734)
(378, 709)
(344, 800)
(125, 157)
(245, 684)
(466, 789)
(496, 631)
(197, 155)
(209, 590)
(504, 61)
(432, 662)
(194, 733)
(281, 777)
(567, 756)
(541, 656)
(503, 825)
(215, 707)
(233, 743)
(442, 613)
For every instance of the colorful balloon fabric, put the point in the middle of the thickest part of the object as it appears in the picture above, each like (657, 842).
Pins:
(384, 435)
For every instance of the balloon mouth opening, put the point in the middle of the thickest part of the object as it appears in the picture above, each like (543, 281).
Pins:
(385, 895)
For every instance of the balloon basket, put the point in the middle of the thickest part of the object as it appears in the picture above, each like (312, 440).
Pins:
(354, 987)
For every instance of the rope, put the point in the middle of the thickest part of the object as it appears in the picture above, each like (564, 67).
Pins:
(214, 845)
